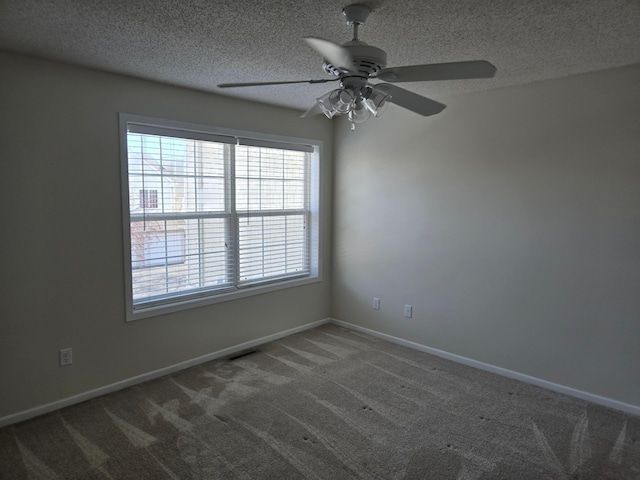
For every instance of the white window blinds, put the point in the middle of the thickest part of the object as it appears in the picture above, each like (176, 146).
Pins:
(211, 214)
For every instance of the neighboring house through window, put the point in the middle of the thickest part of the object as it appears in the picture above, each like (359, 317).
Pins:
(213, 214)
(149, 198)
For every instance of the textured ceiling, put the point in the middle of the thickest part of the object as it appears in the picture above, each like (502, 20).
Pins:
(199, 43)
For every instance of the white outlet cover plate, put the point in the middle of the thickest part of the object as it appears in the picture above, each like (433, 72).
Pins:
(66, 357)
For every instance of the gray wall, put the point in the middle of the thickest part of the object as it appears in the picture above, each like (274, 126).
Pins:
(61, 261)
(511, 223)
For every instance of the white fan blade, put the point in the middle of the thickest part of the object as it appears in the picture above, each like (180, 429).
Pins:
(411, 101)
(438, 71)
(315, 110)
(335, 54)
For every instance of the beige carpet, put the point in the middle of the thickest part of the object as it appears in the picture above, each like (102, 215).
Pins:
(328, 403)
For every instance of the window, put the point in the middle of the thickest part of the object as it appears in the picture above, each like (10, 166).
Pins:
(212, 214)
(149, 198)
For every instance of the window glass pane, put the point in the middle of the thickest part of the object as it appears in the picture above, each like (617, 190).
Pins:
(248, 194)
(188, 175)
(295, 195)
(282, 174)
(272, 246)
(295, 165)
(242, 194)
(272, 163)
(211, 195)
(247, 161)
(212, 155)
(171, 191)
(178, 255)
(272, 195)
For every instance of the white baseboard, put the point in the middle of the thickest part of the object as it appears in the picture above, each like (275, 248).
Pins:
(590, 397)
(65, 402)
(129, 382)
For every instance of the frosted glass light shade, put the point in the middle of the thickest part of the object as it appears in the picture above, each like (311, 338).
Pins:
(336, 102)
(360, 112)
(376, 101)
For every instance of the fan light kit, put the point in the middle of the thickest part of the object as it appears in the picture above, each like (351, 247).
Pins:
(355, 63)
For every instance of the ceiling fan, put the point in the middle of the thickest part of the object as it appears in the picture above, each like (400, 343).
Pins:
(355, 63)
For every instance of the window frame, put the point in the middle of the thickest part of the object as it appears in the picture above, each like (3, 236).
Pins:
(207, 132)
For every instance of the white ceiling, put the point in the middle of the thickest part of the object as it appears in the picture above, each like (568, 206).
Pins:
(200, 43)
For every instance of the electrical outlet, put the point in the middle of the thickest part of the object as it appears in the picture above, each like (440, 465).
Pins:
(408, 311)
(376, 303)
(66, 357)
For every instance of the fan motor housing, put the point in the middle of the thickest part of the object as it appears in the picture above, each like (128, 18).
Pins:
(367, 60)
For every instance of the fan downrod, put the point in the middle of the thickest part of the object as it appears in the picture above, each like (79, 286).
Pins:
(367, 60)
